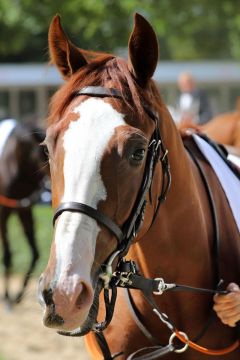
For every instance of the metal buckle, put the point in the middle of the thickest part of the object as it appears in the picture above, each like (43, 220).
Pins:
(106, 275)
(152, 143)
(185, 347)
(123, 277)
(162, 286)
(158, 145)
(164, 155)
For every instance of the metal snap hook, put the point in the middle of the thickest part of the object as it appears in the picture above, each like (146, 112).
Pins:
(162, 286)
(185, 347)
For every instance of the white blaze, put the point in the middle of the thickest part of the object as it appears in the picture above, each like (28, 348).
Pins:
(84, 143)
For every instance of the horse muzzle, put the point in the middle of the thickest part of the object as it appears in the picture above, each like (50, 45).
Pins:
(66, 308)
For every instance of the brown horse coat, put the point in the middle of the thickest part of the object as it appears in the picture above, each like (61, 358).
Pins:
(179, 246)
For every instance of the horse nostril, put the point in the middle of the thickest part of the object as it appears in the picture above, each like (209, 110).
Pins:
(83, 298)
(48, 297)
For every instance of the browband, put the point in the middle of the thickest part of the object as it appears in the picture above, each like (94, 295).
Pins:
(99, 91)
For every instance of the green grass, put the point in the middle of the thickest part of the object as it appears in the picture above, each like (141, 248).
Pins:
(2, 357)
(19, 245)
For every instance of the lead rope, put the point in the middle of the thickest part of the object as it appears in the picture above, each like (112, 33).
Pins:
(159, 351)
(204, 350)
(149, 286)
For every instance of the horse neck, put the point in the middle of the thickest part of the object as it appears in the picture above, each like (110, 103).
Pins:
(174, 229)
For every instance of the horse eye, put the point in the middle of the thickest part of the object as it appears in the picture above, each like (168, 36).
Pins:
(138, 155)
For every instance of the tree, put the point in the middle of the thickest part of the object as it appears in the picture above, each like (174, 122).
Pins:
(186, 30)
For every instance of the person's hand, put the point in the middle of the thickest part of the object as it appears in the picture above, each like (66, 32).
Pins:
(227, 306)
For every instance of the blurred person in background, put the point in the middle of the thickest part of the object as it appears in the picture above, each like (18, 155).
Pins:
(193, 105)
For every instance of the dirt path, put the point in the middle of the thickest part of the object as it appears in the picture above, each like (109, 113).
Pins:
(23, 337)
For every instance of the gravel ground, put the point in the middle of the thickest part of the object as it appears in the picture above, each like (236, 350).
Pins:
(23, 336)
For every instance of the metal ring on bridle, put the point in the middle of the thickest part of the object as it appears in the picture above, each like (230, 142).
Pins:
(184, 348)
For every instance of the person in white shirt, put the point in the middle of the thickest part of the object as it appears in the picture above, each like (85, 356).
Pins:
(193, 104)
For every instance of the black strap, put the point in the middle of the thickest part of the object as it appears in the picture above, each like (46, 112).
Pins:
(109, 309)
(151, 285)
(151, 352)
(212, 209)
(91, 212)
(104, 347)
(134, 222)
(137, 318)
(127, 276)
(100, 91)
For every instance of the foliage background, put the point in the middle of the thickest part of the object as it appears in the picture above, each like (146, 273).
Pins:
(187, 30)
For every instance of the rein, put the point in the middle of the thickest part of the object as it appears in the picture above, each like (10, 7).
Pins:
(126, 274)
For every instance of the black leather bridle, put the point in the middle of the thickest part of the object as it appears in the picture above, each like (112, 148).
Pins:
(156, 148)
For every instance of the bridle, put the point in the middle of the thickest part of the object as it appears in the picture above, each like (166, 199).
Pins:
(132, 226)
(124, 235)
(126, 274)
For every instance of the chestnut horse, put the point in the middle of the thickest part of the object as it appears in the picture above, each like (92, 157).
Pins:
(108, 134)
(225, 129)
(22, 168)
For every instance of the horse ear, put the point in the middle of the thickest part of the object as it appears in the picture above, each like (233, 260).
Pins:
(66, 56)
(142, 50)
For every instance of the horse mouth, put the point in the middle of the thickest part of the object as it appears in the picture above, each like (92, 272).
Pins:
(91, 319)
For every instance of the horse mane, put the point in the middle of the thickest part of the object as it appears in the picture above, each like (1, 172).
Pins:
(105, 68)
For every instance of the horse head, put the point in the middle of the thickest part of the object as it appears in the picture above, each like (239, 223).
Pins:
(100, 130)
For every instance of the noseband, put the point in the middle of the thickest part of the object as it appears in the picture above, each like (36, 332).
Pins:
(132, 226)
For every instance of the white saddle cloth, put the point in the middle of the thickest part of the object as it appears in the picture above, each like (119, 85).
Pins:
(234, 159)
(6, 127)
(230, 183)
